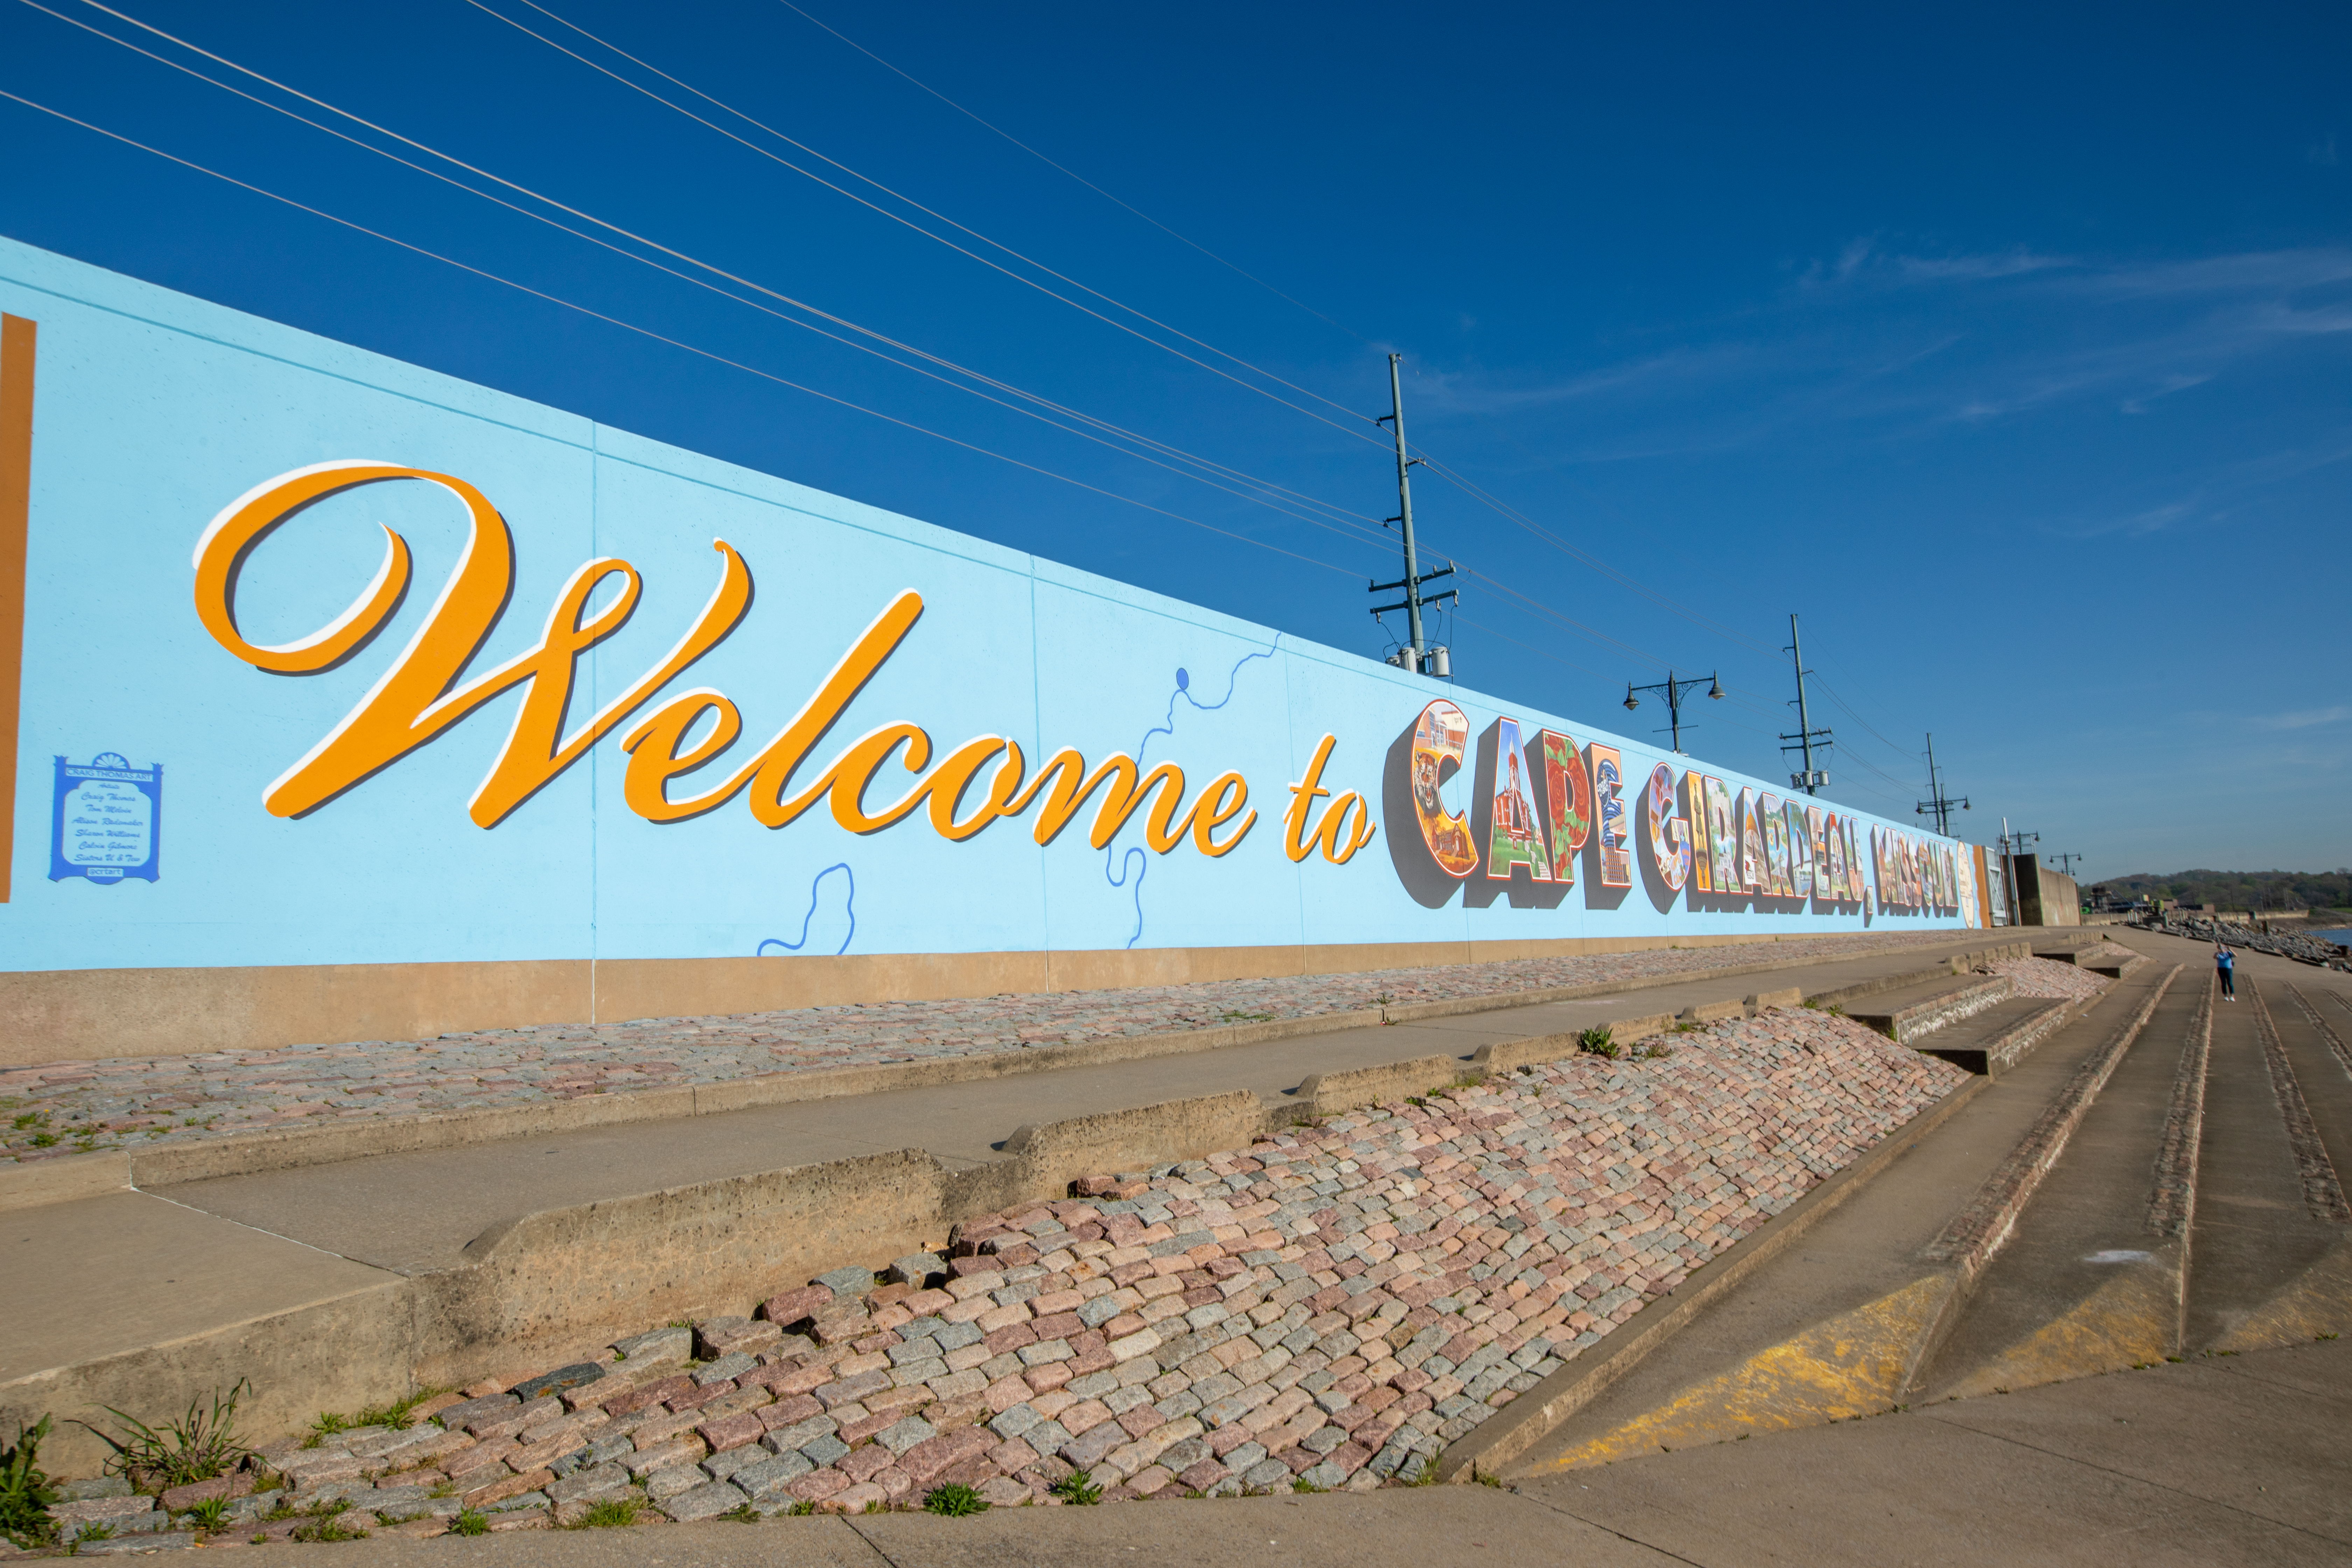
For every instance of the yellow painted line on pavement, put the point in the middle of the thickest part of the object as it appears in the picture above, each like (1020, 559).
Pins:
(1853, 1364)
(2319, 1303)
(2131, 1320)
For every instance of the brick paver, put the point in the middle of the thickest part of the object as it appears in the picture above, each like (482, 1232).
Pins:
(66, 1107)
(2048, 977)
(1327, 1308)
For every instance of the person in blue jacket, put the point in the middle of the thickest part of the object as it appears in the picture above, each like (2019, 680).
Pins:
(2225, 964)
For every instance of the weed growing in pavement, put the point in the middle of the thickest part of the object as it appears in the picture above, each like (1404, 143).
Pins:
(609, 1514)
(196, 1448)
(1485, 1477)
(25, 1490)
(1597, 1043)
(1426, 1473)
(954, 1501)
(327, 1523)
(1468, 1079)
(742, 1513)
(210, 1514)
(1233, 1016)
(43, 1139)
(1651, 1051)
(95, 1529)
(876, 1506)
(801, 1509)
(470, 1522)
(1301, 1484)
(1078, 1487)
(31, 1119)
(399, 1415)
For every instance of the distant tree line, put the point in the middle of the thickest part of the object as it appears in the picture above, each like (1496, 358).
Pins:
(2240, 889)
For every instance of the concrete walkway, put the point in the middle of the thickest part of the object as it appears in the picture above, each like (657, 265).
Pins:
(2227, 1462)
(101, 1275)
(2196, 1207)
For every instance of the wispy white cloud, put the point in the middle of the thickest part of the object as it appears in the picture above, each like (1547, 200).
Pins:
(2301, 719)
(2223, 489)
(1474, 392)
(1865, 261)
(2250, 272)
(2165, 386)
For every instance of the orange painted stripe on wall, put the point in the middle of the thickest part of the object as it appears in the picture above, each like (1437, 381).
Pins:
(17, 338)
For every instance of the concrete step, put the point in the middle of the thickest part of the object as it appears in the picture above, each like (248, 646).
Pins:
(2115, 963)
(2096, 954)
(2090, 1278)
(1904, 978)
(1834, 1329)
(1910, 1015)
(1993, 1039)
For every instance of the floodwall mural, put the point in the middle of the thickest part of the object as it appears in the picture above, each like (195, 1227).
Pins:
(438, 674)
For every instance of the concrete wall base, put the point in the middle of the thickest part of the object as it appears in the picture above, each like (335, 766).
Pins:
(70, 1014)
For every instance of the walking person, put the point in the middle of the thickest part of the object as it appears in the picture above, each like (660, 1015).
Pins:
(2225, 965)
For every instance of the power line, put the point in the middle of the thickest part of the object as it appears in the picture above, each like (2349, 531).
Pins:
(1360, 521)
(919, 206)
(1345, 520)
(1460, 480)
(1081, 179)
(657, 337)
(1513, 514)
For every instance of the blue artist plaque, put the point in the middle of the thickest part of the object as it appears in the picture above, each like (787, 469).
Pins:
(107, 822)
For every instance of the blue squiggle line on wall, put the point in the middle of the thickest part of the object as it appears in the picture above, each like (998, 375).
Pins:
(842, 867)
(1131, 862)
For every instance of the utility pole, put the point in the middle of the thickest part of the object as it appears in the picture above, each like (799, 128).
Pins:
(2066, 861)
(1939, 802)
(1675, 691)
(1812, 780)
(1414, 576)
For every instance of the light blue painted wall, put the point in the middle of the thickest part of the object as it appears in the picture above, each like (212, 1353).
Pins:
(155, 410)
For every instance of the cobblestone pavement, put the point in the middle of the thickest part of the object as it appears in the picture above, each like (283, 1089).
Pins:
(1327, 1309)
(2048, 977)
(68, 1107)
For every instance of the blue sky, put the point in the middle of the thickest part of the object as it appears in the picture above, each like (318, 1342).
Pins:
(2008, 347)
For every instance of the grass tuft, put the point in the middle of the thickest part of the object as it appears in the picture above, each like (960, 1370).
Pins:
(327, 1523)
(610, 1513)
(1078, 1487)
(25, 1490)
(954, 1501)
(196, 1448)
